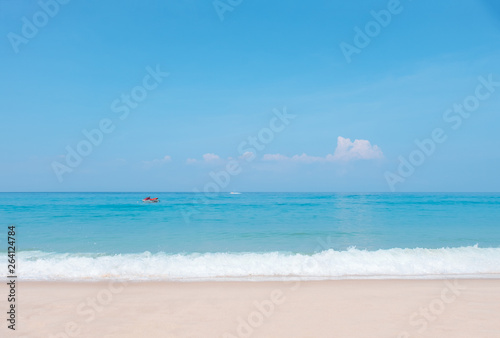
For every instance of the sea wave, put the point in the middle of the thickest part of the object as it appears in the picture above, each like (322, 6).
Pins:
(328, 264)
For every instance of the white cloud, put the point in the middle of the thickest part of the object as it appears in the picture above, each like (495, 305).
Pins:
(306, 158)
(275, 157)
(357, 150)
(345, 151)
(295, 158)
(247, 155)
(211, 157)
(157, 161)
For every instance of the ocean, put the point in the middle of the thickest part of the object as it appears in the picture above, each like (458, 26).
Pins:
(252, 236)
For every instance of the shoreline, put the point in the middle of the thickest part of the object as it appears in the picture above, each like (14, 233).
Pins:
(395, 263)
(264, 279)
(401, 308)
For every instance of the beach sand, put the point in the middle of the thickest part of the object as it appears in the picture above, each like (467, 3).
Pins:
(342, 308)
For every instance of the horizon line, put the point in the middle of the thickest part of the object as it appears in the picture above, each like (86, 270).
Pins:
(259, 192)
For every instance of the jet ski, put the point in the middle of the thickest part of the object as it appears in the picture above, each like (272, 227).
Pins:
(151, 200)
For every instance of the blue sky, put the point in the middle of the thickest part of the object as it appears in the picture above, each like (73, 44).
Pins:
(226, 80)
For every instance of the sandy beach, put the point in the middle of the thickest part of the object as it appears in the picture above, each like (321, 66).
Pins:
(342, 308)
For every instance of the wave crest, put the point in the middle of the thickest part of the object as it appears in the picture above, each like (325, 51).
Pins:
(329, 264)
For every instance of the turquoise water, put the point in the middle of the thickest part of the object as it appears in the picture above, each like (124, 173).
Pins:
(186, 229)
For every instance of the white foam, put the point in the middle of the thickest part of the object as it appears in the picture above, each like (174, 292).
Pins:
(330, 264)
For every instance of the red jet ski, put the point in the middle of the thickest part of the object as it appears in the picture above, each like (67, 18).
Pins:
(151, 200)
